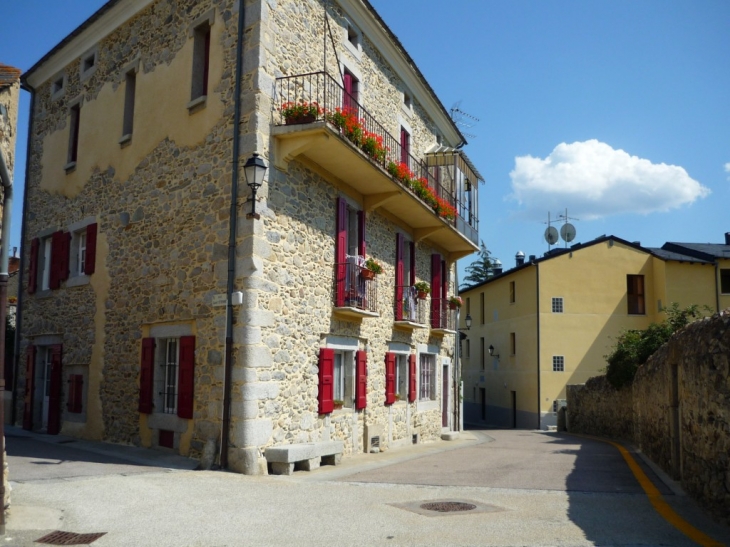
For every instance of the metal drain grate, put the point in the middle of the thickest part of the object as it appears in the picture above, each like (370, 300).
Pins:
(448, 506)
(69, 538)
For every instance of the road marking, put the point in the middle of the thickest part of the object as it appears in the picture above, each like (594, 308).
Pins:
(657, 500)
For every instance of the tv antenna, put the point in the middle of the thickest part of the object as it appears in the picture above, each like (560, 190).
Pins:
(567, 230)
(551, 233)
(463, 120)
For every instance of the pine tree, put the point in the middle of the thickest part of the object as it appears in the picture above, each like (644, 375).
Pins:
(481, 269)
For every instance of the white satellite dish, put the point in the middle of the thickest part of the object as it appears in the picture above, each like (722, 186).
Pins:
(551, 235)
(567, 232)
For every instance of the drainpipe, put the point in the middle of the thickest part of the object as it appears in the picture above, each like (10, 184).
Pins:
(537, 282)
(717, 286)
(7, 183)
(228, 366)
(19, 313)
(457, 360)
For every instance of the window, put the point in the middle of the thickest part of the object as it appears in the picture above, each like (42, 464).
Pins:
(512, 292)
(129, 97)
(401, 377)
(350, 258)
(201, 62)
(407, 101)
(58, 87)
(80, 249)
(45, 263)
(725, 281)
(344, 378)
(83, 250)
(427, 377)
(405, 146)
(513, 343)
(635, 290)
(558, 304)
(558, 363)
(467, 348)
(351, 91)
(167, 375)
(482, 353)
(407, 308)
(88, 65)
(73, 136)
(481, 308)
(353, 40)
(468, 306)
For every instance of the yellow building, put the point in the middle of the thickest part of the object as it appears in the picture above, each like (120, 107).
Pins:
(549, 321)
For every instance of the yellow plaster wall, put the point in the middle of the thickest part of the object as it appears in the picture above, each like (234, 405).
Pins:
(160, 112)
(690, 283)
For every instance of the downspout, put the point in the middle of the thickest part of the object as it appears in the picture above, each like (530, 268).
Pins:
(457, 360)
(7, 183)
(717, 287)
(228, 365)
(537, 282)
(23, 228)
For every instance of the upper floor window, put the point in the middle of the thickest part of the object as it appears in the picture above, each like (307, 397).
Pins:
(557, 304)
(201, 59)
(513, 343)
(512, 292)
(635, 291)
(89, 62)
(130, 91)
(73, 136)
(405, 146)
(725, 281)
(558, 363)
(58, 87)
(351, 93)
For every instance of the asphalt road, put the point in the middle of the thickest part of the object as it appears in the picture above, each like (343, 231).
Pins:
(528, 488)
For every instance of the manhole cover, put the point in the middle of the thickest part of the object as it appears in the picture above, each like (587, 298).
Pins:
(448, 506)
(69, 538)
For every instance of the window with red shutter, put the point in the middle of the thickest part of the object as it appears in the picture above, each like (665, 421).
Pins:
(340, 253)
(146, 377)
(405, 146)
(361, 375)
(75, 393)
(90, 264)
(390, 359)
(186, 377)
(54, 399)
(412, 394)
(325, 390)
(33, 266)
(29, 388)
(57, 247)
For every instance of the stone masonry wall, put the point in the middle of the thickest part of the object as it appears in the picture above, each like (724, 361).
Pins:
(681, 405)
(597, 408)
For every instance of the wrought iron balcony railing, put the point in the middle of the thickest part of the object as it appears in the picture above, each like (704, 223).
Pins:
(307, 98)
(408, 307)
(443, 317)
(355, 287)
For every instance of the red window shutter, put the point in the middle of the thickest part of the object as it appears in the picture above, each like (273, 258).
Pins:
(186, 377)
(412, 280)
(340, 252)
(398, 277)
(361, 374)
(436, 291)
(75, 393)
(405, 146)
(390, 378)
(57, 245)
(326, 393)
(444, 285)
(412, 377)
(33, 266)
(361, 233)
(54, 399)
(146, 376)
(29, 387)
(90, 265)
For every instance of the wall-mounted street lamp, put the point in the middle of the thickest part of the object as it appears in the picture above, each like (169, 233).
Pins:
(467, 321)
(491, 352)
(254, 170)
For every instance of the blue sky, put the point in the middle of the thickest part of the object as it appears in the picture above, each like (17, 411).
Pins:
(617, 110)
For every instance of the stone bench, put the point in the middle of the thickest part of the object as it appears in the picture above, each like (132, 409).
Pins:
(285, 459)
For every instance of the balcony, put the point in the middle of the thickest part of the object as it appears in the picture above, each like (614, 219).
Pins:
(411, 312)
(319, 124)
(443, 317)
(355, 291)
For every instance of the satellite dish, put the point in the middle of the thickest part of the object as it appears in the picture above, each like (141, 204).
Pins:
(567, 232)
(551, 235)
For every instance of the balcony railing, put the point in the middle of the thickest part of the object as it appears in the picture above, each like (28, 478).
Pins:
(409, 308)
(308, 98)
(443, 317)
(354, 288)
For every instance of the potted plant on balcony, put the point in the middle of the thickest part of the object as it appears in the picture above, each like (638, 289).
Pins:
(372, 268)
(423, 289)
(300, 112)
(455, 302)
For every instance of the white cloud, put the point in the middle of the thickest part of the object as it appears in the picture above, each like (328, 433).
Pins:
(727, 169)
(593, 180)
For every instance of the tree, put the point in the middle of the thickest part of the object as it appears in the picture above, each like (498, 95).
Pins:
(481, 269)
(634, 347)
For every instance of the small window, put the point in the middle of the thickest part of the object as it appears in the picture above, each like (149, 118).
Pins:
(481, 308)
(80, 250)
(635, 291)
(468, 306)
(513, 343)
(558, 304)
(725, 281)
(482, 353)
(405, 146)
(555, 407)
(467, 348)
(407, 101)
(428, 379)
(129, 97)
(45, 263)
(168, 360)
(73, 136)
(558, 363)
(58, 87)
(344, 378)
(201, 61)
(401, 377)
(353, 40)
(512, 292)
(88, 65)
(353, 36)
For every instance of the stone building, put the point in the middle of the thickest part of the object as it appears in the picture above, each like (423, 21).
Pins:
(549, 321)
(169, 301)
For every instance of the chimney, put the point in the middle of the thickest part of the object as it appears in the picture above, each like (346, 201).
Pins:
(497, 267)
(520, 258)
(727, 238)
(532, 258)
(15, 252)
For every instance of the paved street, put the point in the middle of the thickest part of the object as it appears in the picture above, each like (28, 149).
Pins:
(529, 488)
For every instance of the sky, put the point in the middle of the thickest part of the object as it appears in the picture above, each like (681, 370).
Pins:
(617, 111)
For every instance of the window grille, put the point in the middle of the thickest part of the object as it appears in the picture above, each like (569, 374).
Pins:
(170, 366)
(558, 304)
(558, 363)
